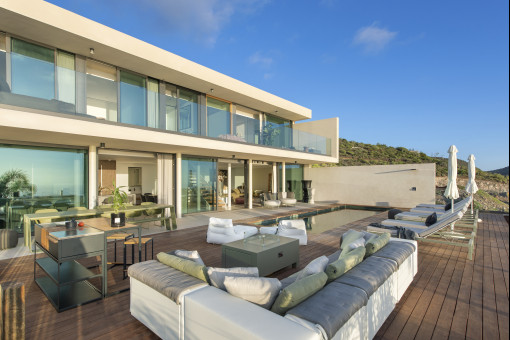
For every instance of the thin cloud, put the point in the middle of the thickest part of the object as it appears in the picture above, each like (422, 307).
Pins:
(200, 20)
(373, 39)
(258, 59)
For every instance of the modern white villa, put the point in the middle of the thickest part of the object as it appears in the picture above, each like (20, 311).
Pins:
(83, 105)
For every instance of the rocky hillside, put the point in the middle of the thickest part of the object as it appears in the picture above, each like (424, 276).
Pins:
(493, 194)
(502, 171)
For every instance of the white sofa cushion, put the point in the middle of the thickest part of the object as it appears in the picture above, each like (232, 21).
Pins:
(221, 230)
(217, 275)
(259, 290)
(190, 255)
(316, 266)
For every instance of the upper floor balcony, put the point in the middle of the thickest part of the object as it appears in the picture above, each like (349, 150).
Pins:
(46, 79)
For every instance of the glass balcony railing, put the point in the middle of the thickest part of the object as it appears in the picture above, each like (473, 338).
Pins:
(131, 101)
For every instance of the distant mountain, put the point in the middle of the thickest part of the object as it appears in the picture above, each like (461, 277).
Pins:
(502, 171)
(352, 153)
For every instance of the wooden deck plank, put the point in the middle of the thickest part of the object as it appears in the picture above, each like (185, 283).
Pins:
(449, 297)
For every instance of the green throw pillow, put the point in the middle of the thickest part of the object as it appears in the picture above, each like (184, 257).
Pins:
(376, 243)
(186, 266)
(349, 237)
(298, 292)
(341, 266)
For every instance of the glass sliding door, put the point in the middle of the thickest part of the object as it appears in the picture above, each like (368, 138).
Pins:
(218, 117)
(101, 91)
(293, 177)
(32, 70)
(171, 109)
(133, 99)
(188, 111)
(33, 178)
(246, 124)
(199, 176)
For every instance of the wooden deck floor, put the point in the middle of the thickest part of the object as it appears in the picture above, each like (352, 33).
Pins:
(451, 297)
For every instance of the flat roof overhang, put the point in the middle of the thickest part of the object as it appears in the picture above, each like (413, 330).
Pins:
(51, 25)
(30, 126)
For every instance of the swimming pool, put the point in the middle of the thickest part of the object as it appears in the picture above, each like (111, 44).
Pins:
(322, 220)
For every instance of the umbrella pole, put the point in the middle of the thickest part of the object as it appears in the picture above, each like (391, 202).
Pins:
(453, 224)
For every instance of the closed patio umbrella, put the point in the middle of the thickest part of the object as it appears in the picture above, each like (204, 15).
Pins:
(452, 192)
(471, 186)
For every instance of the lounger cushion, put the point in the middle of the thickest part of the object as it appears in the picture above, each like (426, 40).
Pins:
(376, 243)
(431, 219)
(299, 291)
(396, 251)
(344, 264)
(370, 274)
(331, 307)
(187, 266)
(393, 212)
(164, 279)
(217, 275)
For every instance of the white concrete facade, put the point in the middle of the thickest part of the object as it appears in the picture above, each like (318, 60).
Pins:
(402, 185)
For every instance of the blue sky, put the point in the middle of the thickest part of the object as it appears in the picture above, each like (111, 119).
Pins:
(418, 74)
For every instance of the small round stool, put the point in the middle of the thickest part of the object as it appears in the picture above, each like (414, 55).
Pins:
(8, 238)
(134, 241)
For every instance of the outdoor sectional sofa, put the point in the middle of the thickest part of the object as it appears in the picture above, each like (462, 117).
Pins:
(175, 305)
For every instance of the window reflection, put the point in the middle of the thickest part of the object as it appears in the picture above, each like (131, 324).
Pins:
(133, 99)
(188, 111)
(218, 118)
(33, 70)
(34, 178)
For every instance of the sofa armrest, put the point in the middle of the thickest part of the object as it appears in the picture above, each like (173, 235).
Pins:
(211, 313)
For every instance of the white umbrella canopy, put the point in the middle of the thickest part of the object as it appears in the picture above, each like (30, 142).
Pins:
(452, 192)
(471, 186)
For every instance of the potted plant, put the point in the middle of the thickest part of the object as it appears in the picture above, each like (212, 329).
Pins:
(119, 200)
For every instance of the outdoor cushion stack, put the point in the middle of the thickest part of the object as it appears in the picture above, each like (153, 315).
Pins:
(347, 294)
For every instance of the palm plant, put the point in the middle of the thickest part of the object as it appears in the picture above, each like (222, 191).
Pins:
(13, 181)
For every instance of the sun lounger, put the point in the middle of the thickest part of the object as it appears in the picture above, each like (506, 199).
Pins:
(433, 233)
(441, 209)
(422, 216)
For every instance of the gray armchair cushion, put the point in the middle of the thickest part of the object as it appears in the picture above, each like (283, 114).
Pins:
(396, 251)
(166, 280)
(331, 307)
(369, 274)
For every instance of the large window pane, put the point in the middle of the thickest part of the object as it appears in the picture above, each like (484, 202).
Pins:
(101, 91)
(246, 124)
(170, 108)
(33, 178)
(198, 184)
(33, 70)
(188, 111)
(218, 117)
(66, 80)
(133, 99)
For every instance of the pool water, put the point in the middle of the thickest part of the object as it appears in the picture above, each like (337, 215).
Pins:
(317, 223)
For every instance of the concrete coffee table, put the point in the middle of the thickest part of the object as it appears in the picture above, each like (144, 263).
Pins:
(268, 253)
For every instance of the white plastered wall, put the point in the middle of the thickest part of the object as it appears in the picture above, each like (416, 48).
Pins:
(378, 185)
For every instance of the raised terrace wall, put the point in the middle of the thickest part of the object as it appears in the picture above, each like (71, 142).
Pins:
(376, 185)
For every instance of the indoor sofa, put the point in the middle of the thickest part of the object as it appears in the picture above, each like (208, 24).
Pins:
(175, 305)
